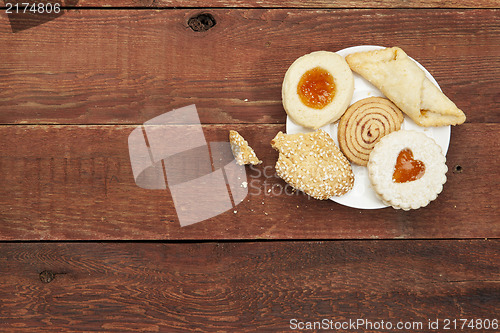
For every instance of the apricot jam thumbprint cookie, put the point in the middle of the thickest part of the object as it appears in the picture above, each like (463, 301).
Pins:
(317, 89)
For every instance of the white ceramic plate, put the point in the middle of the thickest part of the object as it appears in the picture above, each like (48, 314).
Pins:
(362, 196)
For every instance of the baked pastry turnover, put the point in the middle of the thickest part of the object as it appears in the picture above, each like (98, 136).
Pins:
(364, 124)
(405, 84)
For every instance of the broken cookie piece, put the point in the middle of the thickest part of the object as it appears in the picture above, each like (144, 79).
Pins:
(243, 153)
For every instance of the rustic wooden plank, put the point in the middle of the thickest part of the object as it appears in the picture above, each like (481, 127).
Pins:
(124, 67)
(280, 4)
(75, 183)
(239, 287)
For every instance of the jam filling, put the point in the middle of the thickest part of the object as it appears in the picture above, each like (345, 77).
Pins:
(316, 88)
(407, 169)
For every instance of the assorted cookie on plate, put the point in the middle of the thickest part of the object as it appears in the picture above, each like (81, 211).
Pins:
(312, 163)
(407, 169)
(400, 79)
(364, 124)
(317, 89)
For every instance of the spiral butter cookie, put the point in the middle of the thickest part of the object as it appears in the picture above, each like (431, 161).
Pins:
(317, 89)
(364, 124)
(312, 163)
(407, 169)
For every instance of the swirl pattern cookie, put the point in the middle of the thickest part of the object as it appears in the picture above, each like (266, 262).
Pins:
(407, 169)
(364, 124)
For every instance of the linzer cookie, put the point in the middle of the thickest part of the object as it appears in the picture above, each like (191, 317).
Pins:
(364, 124)
(405, 84)
(407, 169)
(312, 163)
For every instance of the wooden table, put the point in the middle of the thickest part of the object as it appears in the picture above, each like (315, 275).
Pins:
(83, 248)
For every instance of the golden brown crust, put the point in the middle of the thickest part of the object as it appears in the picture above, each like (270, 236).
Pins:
(304, 115)
(243, 153)
(312, 163)
(364, 124)
(405, 84)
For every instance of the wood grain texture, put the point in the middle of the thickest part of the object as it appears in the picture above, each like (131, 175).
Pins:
(284, 4)
(240, 287)
(126, 66)
(75, 182)
(72, 89)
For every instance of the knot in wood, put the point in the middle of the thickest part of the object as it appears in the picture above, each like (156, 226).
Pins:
(47, 276)
(201, 22)
(457, 169)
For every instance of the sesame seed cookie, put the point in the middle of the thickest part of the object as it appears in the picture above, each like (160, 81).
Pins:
(243, 153)
(312, 163)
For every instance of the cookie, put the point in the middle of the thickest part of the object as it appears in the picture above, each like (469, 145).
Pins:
(243, 153)
(407, 169)
(364, 124)
(400, 79)
(317, 89)
(312, 163)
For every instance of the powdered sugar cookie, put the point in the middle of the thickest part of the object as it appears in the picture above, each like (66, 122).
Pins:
(407, 169)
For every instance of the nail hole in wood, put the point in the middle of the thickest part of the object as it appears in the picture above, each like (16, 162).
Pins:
(458, 169)
(201, 22)
(47, 276)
